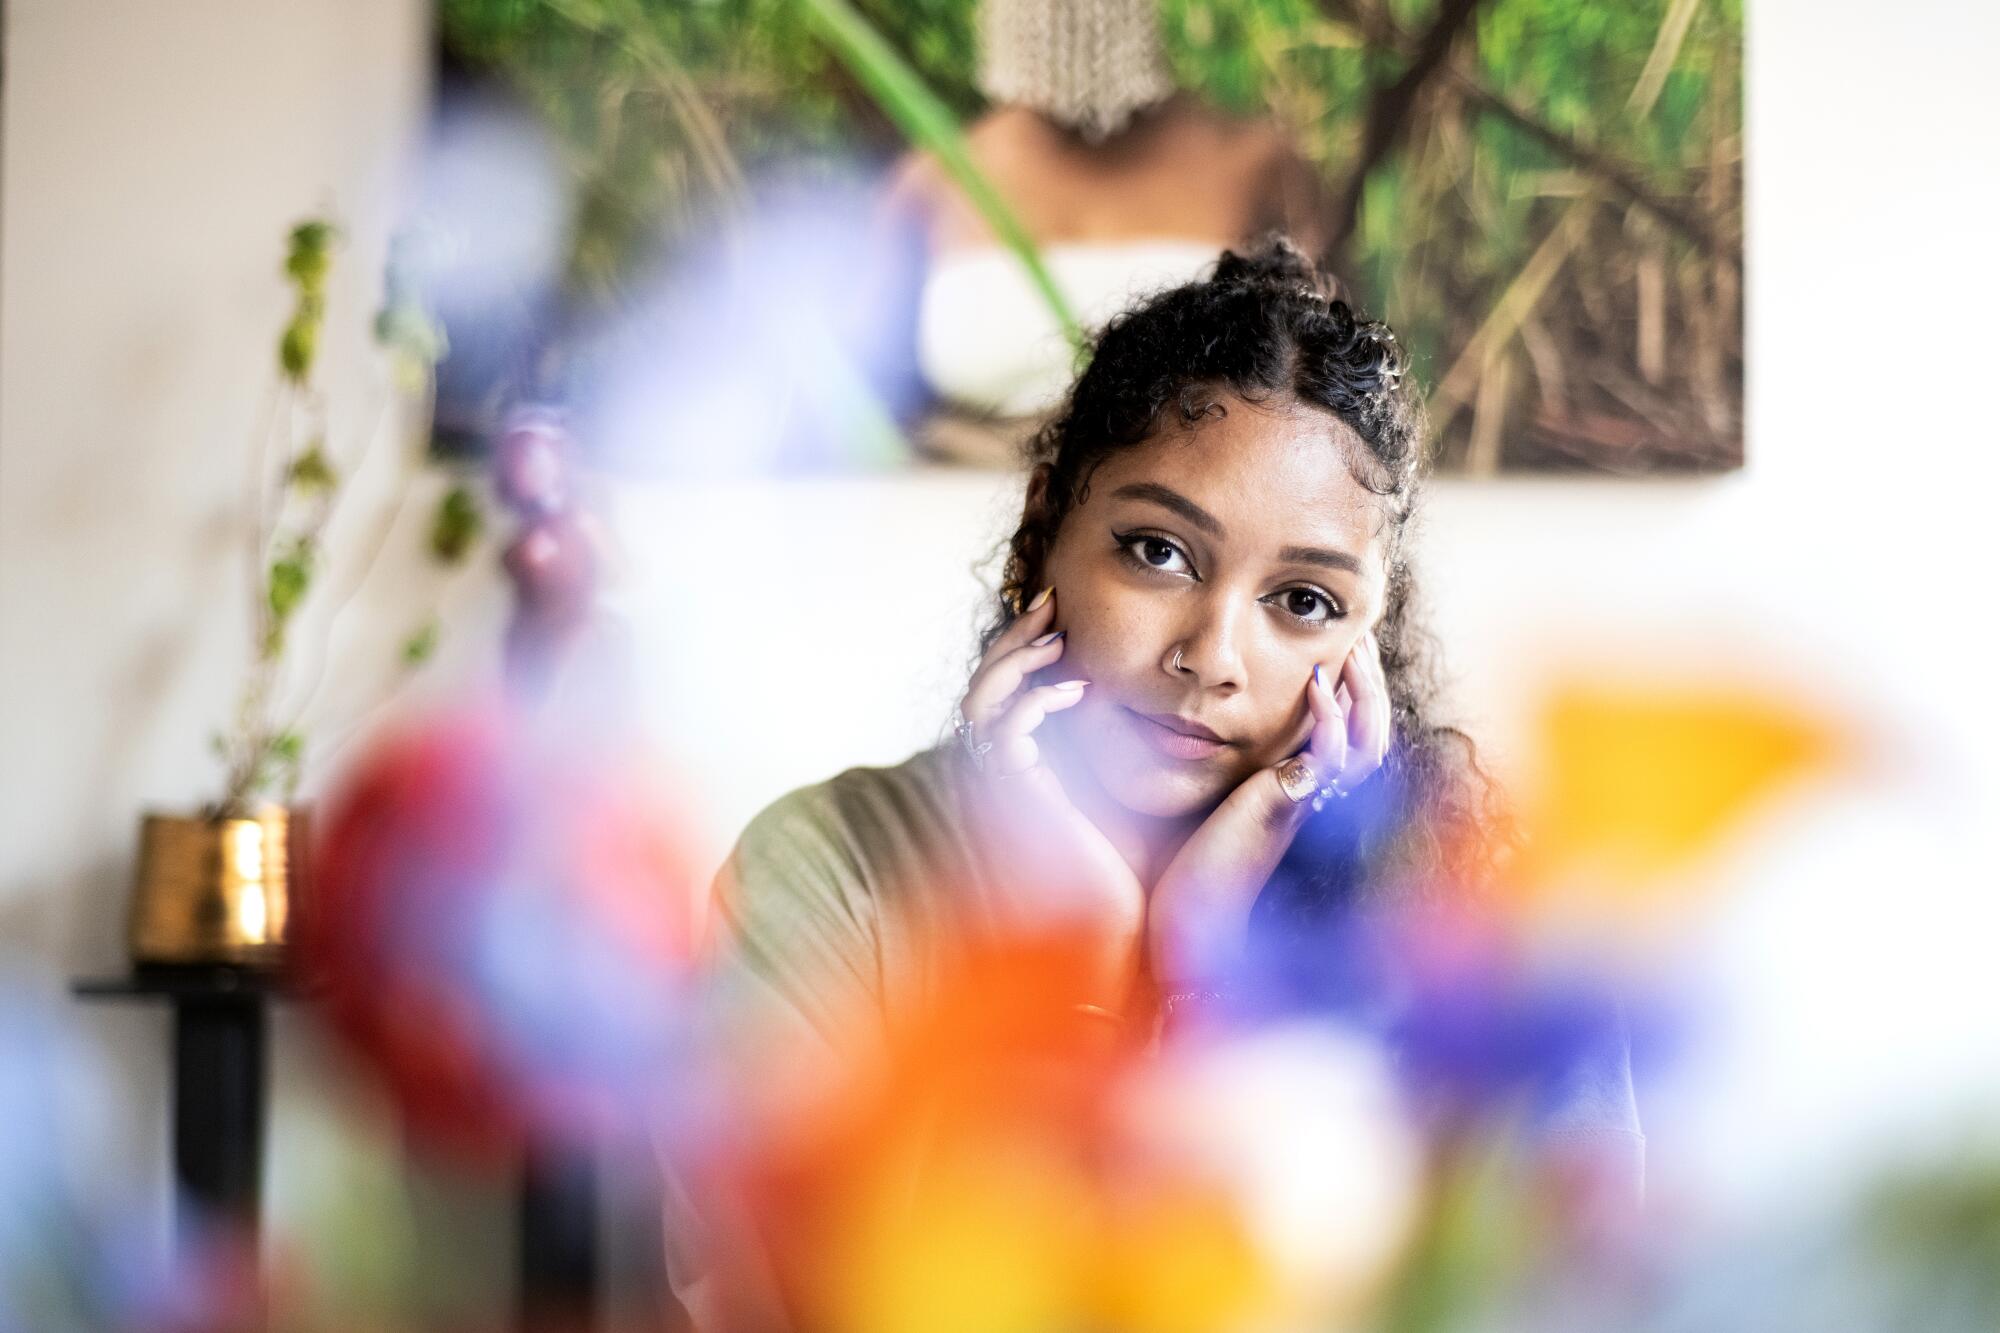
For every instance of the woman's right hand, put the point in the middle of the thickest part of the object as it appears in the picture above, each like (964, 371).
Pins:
(1059, 870)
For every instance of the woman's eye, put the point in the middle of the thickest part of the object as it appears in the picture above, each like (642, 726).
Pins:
(1155, 553)
(1309, 605)
(1306, 605)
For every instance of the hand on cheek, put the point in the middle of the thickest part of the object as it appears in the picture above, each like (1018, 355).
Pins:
(1215, 877)
(1363, 696)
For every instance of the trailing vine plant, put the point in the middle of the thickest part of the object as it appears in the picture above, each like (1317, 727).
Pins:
(292, 505)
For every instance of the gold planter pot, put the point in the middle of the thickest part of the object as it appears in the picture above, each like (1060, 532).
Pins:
(217, 890)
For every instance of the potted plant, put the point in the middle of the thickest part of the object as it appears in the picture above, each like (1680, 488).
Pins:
(218, 886)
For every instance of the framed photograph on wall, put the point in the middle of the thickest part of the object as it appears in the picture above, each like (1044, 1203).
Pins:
(1544, 197)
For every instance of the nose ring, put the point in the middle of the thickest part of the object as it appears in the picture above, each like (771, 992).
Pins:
(1177, 661)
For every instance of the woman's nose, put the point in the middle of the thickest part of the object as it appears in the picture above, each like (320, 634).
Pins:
(1209, 646)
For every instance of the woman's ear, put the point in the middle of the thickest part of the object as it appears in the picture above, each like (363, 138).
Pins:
(1038, 488)
(1032, 541)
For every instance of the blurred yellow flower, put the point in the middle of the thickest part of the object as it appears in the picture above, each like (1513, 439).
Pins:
(1637, 785)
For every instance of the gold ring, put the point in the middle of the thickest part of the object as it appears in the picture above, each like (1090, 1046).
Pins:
(1297, 778)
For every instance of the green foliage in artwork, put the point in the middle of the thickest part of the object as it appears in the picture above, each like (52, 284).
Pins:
(618, 76)
(1288, 56)
(930, 125)
(668, 108)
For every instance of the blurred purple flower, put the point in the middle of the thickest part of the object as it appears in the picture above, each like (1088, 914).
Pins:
(1476, 1019)
(77, 1248)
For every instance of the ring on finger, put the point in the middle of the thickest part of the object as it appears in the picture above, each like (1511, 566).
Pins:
(1300, 783)
(975, 749)
(1297, 779)
(1328, 792)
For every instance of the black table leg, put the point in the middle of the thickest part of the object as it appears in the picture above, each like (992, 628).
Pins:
(558, 1242)
(219, 1086)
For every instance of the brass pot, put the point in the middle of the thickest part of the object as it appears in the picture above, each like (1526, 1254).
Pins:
(217, 890)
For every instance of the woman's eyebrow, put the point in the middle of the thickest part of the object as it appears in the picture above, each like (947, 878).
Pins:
(1169, 498)
(1319, 555)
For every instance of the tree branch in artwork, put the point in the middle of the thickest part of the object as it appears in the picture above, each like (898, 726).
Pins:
(1389, 113)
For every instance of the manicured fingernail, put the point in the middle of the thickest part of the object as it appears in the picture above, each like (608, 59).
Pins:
(1048, 639)
(1319, 677)
(1041, 597)
(1071, 684)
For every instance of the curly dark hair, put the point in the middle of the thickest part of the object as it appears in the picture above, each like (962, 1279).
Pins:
(1264, 326)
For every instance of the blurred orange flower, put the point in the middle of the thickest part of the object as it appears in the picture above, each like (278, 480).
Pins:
(1014, 1167)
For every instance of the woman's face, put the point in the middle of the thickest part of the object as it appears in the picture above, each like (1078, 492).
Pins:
(1246, 542)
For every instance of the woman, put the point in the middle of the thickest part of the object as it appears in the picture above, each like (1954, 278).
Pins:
(1202, 639)
(1202, 632)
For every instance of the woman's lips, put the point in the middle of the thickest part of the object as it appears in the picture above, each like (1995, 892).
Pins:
(1172, 743)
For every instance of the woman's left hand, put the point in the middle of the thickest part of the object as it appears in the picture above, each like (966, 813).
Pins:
(1212, 882)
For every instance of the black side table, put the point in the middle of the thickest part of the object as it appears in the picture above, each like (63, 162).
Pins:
(221, 1077)
(221, 1086)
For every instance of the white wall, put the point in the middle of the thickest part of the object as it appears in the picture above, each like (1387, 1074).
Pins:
(155, 155)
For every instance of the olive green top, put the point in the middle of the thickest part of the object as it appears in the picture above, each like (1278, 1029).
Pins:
(831, 904)
(823, 912)
(831, 910)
